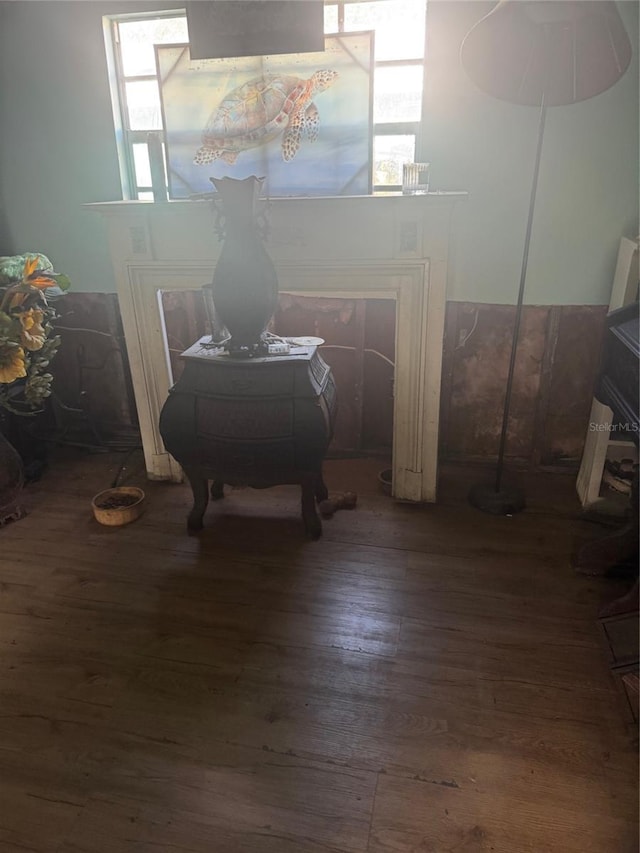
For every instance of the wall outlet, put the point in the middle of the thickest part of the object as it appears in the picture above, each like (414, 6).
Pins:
(408, 236)
(138, 236)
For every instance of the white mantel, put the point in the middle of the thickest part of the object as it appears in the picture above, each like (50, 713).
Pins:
(387, 246)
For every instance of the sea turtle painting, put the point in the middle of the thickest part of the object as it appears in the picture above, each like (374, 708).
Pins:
(259, 111)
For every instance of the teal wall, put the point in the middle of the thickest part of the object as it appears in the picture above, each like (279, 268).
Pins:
(57, 152)
(57, 143)
(588, 188)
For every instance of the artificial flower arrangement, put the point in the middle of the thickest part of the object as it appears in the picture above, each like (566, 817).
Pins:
(27, 344)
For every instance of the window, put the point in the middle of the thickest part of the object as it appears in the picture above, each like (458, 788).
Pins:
(136, 94)
(399, 27)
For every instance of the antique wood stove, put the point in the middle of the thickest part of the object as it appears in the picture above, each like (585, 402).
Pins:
(258, 422)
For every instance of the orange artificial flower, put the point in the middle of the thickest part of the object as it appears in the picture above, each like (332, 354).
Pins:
(12, 364)
(29, 267)
(18, 294)
(29, 275)
(33, 334)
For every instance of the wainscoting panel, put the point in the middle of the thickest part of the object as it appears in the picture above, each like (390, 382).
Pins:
(555, 374)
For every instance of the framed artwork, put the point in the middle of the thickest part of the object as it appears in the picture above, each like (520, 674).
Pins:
(302, 121)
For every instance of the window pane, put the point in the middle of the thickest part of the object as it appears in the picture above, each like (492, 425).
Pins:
(138, 37)
(331, 19)
(389, 153)
(398, 25)
(145, 196)
(397, 93)
(141, 162)
(143, 101)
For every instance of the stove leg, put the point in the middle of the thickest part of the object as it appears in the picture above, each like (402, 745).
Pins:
(321, 490)
(217, 490)
(200, 489)
(312, 523)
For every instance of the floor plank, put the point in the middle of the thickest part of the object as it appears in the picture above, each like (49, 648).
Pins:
(423, 679)
(417, 815)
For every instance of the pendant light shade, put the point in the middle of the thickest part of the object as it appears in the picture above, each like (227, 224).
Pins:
(555, 52)
(232, 28)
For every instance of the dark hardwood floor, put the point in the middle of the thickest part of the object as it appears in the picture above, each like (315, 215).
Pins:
(420, 680)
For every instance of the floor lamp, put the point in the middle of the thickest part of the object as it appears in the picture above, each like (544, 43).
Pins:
(540, 53)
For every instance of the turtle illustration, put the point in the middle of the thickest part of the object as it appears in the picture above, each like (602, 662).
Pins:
(260, 110)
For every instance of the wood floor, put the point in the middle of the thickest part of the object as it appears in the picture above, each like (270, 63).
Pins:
(421, 679)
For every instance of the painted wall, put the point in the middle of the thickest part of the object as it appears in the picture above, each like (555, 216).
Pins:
(57, 152)
(588, 189)
(57, 142)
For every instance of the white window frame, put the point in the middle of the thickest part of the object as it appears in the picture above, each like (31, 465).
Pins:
(127, 137)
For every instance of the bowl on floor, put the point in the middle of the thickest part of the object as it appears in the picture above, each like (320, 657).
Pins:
(115, 507)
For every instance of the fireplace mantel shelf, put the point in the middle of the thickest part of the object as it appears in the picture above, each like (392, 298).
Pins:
(379, 246)
(121, 206)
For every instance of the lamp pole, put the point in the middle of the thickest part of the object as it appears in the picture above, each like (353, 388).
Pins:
(520, 300)
(541, 54)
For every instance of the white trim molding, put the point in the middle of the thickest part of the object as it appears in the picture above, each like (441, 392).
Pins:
(358, 247)
(624, 290)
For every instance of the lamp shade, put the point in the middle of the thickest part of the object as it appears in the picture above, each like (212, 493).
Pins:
(554, 52)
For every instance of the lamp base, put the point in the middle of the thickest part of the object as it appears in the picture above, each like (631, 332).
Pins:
(507, 501)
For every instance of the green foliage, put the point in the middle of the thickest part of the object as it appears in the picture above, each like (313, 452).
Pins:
(27, 342)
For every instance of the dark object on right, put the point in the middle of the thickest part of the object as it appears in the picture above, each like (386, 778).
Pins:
(618, 389)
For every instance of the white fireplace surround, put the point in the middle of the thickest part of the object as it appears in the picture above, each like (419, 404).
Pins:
(357, 247)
